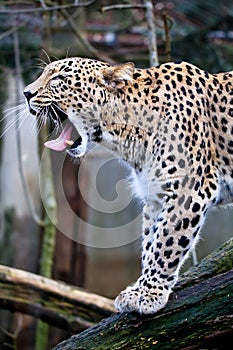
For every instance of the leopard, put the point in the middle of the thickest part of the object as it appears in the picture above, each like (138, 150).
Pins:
(173, 125)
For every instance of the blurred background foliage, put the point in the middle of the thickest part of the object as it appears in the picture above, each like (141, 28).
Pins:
(198, 31)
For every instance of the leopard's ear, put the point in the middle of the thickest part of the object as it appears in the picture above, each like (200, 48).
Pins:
(115, 77)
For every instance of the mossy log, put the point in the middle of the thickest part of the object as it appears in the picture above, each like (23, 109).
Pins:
(56, 303)
(199, 315)
(199, 311)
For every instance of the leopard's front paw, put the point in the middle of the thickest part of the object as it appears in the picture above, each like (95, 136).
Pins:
(141, 300)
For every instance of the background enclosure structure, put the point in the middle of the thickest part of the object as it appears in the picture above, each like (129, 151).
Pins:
(197, 31)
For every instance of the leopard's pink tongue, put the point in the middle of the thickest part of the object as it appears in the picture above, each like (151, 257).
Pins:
(60, 143)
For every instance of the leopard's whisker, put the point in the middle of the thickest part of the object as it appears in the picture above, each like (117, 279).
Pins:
(11, 118)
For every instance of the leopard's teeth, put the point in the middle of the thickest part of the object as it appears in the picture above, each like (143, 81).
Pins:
(69, 142)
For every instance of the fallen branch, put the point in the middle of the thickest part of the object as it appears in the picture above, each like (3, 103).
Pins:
(54, 302)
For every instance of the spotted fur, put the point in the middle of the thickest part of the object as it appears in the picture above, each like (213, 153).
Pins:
(174, 125)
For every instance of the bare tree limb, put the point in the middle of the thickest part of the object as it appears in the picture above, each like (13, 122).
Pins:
(83, 40)
(152, 39)
(11, 31)
(121, 7)
(54, 302)
(43, 4)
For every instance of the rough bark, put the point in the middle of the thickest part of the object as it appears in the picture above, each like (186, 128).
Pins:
(195, 317)
(191, 317)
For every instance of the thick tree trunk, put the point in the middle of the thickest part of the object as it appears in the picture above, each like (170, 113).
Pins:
(195, 317)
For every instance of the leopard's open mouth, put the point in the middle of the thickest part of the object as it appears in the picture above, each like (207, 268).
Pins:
(64, 141)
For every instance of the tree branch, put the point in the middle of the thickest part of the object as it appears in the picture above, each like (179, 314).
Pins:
(54, 302)
(152, 39)
(83, 40)
(121, 7)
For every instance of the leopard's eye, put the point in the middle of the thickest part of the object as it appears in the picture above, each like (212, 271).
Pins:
(56, 80)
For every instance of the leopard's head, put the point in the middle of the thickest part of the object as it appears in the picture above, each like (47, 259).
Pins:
(76, 90)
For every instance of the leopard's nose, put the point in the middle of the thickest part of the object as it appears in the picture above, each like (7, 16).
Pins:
(28, 94)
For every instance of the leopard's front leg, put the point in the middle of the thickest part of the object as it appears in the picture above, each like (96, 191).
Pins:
(166, 244)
